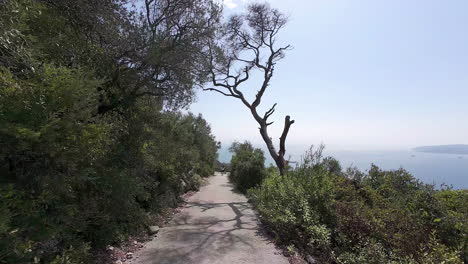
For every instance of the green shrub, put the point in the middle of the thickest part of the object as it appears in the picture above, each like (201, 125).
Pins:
(371, 252)
(436, 252)
(73, 255)
(296, 205)
(247, 166)
(451, 223)
(71, 180)
(354, 217)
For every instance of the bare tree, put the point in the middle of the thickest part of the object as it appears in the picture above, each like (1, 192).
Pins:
(246, 44)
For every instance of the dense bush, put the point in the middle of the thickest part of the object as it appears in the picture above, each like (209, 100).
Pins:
(355, 217)
(69, 186)
(247, 168)
(86, 154)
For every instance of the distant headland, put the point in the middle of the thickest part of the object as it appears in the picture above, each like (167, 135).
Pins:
(444, 149)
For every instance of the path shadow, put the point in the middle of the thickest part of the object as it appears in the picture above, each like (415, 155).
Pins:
(207, 235)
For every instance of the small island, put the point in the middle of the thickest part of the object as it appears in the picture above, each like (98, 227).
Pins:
(444, 149)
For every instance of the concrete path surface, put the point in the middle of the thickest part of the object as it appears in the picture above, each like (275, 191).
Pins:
(216, 225)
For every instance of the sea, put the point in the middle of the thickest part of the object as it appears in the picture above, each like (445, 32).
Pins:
(432, 168)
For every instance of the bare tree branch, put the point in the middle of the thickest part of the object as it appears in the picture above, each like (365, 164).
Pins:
(221, 92)
(269, 112)
(254, 34)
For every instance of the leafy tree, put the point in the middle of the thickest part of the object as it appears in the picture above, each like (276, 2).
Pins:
(86, 150)
(247, 166)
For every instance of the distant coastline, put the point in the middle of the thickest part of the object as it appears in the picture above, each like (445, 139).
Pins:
(458, 149)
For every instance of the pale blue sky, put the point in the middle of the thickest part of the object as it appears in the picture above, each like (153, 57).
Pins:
(363, 74)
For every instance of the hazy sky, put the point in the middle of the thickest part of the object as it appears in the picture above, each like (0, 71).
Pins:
(363, 74)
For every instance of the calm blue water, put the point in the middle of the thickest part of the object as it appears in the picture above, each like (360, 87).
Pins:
(428, 167)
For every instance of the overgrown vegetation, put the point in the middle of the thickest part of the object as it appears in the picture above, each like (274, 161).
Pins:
(87, 150)
(92, 140)
(355, 217)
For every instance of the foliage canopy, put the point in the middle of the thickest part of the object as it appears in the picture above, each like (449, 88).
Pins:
(87, 151)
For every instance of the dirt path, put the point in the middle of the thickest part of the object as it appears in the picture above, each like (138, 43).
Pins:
(216, 226)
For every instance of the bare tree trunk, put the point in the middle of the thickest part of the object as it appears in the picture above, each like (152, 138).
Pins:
(278, 157)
